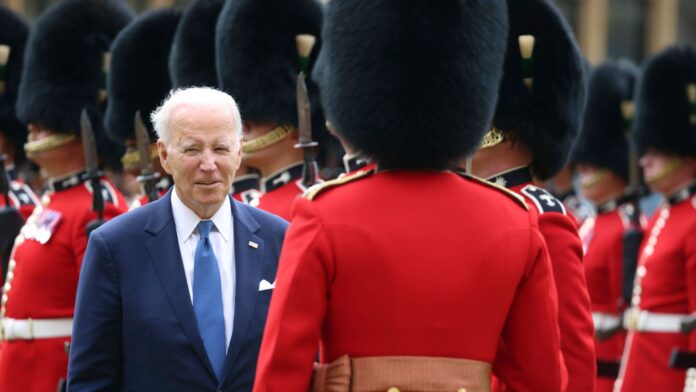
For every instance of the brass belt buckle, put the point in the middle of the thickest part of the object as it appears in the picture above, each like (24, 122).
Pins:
(633, 317)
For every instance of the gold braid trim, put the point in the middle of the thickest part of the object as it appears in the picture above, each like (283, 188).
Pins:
(512, 195)
(133, 158)
(274, 136)
(314, 191)
(49, 143)
(494, 137)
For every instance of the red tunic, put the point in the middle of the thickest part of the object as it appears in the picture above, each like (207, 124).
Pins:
(575, 315)
(417, 263)
(565, 249)
(280, 190)
(602, 238)
(44, 283)
(667, 279)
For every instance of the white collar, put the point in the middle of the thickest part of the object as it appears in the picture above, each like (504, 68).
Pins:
(186, 221)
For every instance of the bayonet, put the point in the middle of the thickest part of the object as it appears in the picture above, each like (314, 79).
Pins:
(148, 177)
(89, 148)
(310, 171)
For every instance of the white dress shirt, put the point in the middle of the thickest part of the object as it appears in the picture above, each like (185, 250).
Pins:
(221, 239)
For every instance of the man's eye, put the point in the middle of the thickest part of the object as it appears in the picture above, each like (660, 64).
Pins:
(189, 150)
(222, 149)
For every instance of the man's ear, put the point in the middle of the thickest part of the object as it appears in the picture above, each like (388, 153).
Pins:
(163, 156)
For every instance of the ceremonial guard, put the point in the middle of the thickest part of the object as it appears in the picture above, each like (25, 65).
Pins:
(399, 276)
(138, 82)
(17, 201)
(602, 157)
(192, 63)
(258, 64)
(61, 89)
(537, 118)
(664, 292)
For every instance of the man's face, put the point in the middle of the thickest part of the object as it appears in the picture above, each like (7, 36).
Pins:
(202, 156)
(664, 172)
(598, 184)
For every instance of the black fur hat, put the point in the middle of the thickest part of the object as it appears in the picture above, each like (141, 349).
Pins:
(602, 141)
(192, 59)
(257, 58)
(139, 76)
(412, 84)
(13, 33)
(665, 113)
(546, 116)
(64, 67)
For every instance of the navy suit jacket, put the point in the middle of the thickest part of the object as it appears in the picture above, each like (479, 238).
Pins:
(135, 329)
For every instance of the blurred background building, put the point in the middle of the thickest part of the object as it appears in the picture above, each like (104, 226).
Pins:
(604, 28)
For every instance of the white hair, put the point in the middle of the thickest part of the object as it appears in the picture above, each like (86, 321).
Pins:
(199, 97)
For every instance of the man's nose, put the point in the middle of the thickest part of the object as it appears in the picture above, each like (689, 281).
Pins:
(208, 161)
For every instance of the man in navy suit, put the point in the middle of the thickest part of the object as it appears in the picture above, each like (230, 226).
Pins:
(173, 295)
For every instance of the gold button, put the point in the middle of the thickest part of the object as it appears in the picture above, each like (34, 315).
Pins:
(393, 389)
(13, 264)
(10, 276)
(4, 299)
(8, 286)
(461, 390)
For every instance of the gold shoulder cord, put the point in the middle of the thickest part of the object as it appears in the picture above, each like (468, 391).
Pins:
(514, 196)
(314, 191)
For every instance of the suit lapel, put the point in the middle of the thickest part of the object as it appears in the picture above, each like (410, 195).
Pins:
(163, 246)
(248, 262)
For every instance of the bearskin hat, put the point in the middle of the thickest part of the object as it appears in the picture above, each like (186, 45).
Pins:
(412, 84)
(257, 60)
(139, 77)
(543, 92)
(602, 141)
(192, 59)
(666, 103)
(64, 67)
(13, 33)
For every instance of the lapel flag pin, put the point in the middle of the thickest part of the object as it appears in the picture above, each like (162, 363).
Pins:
(253, 244)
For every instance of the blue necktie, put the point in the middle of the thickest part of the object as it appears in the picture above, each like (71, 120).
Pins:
(207, 299)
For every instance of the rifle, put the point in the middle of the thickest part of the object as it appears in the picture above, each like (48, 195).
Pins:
(89, 148)
(148, 177)
(310, 170)
(633, 235)
(11, 220)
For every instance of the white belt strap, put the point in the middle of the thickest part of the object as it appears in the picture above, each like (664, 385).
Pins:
(605, 321)
(36, 329)
(644, 321)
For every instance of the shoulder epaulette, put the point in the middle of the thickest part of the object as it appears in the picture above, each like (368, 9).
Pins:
(315, 190)
(108, 192)
(544, 201)
(22, 195)
(514, 196)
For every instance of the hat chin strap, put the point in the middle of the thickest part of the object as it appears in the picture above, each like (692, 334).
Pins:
(133, 158)
(667, 170)
(593, 179)
(274, 136)
(49, 143)
(491, 139)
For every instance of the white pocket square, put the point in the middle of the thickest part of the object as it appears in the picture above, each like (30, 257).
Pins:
(266, 285)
